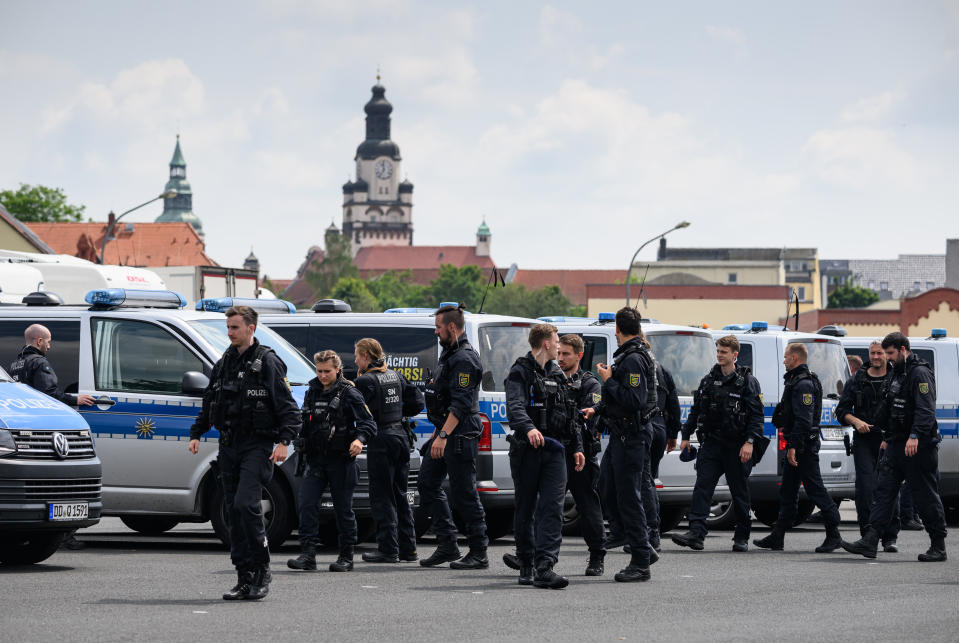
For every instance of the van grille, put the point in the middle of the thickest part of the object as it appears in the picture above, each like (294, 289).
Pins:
(42, 490)
(38, 445)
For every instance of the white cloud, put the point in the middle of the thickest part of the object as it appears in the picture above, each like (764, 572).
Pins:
(557, 26)
(873, 109)
(345, 10)
(727, 35)
(857, 158)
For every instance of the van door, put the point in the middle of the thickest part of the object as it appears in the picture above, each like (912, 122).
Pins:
(142, 436)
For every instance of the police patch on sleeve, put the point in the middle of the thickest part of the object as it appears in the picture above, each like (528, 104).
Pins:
(597, 397)
(807, 399)
(635, 379)
(463, 379)
(286, 381)
(924, 388)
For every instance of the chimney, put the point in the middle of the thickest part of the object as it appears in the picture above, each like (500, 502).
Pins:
(661, 255)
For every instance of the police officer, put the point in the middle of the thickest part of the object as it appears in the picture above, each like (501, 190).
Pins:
(542, 413)
(452, 405)
(727, 414)
(249, 401)
(665, 423)
(858, 407)
(33, 369)
(798, 414)
(391, 399)
(628, 404)
(336, 425)
(908, 420)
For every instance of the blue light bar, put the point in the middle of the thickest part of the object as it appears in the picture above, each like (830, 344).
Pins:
(444, 304)
(223, 304)
(426, 311)
(122, 298)
(554, 320)
(759, 325)
(736, 327)
(938, 333)
(607, 317)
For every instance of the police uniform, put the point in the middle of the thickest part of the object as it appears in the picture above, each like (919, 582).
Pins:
(798, 415)
(390, 399)
(454, 389)
(862, 397)
(540, 398)
(332, 419)
(727, 413)
(33, 369)
(664, 423)
(629, 401)
(908, 411)
(248, 400)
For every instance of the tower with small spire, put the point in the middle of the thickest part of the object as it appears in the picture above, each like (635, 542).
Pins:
(483, 240)
(180, 207)
(377, 206)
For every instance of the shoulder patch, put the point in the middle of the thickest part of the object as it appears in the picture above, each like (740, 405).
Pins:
(286, 381)
(807, 399)
(924, 388)
(762, 400)
(635, 379)
(463, 379)
(46, 368)
(597, 397)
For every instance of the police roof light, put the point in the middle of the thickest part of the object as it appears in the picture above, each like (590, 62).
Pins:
(736, 327)
(123, 298)
(937, 333)
(223, 304)
(451, 304)
(758, 326)
(607, 317)
(553, 320)
(421, 311)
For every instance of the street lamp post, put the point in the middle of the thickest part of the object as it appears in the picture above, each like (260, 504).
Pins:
(681, 224)
(169, 194)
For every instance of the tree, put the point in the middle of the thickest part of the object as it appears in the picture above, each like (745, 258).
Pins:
(395, 289)
(353, 291)
(40, 203)
(849, 296)
(516, 300)
(463, 285)
(337, 264)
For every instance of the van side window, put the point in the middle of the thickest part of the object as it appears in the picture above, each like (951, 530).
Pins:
(296, 336)
(64, 356)
(412, 351)
(925, 354)
(745, 356)
(139, 357)
(595, 352)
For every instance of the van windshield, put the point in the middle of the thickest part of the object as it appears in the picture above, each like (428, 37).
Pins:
(687, 358)
(828, 361)
(298, 369)
(499, 346)
(4, 377)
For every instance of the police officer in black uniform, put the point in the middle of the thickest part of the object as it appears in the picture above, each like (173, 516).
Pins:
(336, 425)
(628, 404)
(727, 414)
(665, 423)
(452, 405)
(858, 407)
(248, 400)
(798, 415)
(908, 420)
(391, 400)
(542, 413)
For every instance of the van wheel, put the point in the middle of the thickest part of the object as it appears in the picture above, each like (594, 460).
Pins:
(721, 516)
(670, 516)
(571, 520)
(276, 514)
(768, 512)
(27, 548)
(149, 525)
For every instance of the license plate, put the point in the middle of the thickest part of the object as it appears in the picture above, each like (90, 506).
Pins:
(68, 511)
(409, 496)
(832, 434)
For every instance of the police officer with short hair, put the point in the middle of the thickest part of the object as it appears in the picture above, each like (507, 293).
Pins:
(798, 415)
(391, 400)
(248, 400)
(859, 407)
(628, 404)
(542, 413)
(452, 405)
(727, 415)
(908, 420)
(336, 425)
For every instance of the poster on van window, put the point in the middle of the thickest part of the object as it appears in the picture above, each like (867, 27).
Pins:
(412, 367)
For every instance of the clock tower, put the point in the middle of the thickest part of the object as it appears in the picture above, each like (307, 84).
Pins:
(377, 206)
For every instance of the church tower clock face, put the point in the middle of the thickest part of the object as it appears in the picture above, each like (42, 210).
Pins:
(383, 169)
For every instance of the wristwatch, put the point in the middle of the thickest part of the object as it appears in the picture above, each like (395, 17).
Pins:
(750, 440)
(285, 442)
(913, 436)
(444, 434)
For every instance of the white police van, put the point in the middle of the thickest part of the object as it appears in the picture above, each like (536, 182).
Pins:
(942, 354)
(411, 347)
(687, 353)
(49, 473)
(762, 349)
(147, 363)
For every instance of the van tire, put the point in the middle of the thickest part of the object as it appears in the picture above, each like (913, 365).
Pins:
(27, 548)
(768, 512)
(721, 515)
(670, 516)
(149, 525)
(278, 515)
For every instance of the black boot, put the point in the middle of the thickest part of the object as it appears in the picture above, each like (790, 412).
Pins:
(525, 575)
(690, 539)
(595, 565)
(445, 553)
(774, 541)
(511, 561)
(546, 578)
(635, 572)
(475, 559)
(889, 546)
(911, 525)
(244, 579)
(832, 543)
(936, 552)
(653, 556)
(654, 540)
(409, 556)
(379, 557)
(344, 563)
(306, 560)
(260, 586)
(866, 546)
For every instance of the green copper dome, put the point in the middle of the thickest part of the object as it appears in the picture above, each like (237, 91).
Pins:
(180, 207)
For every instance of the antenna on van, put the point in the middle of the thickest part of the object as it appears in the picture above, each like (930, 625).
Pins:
(788, 304)
(495, 278)
(796, 298)
(642, 289)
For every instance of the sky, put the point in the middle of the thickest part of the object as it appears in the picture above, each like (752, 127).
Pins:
(578, 130)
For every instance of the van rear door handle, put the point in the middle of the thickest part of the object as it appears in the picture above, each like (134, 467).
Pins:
(104, 400)
(836, 464)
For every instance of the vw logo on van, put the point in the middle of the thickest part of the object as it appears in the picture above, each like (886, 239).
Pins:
(61, 446)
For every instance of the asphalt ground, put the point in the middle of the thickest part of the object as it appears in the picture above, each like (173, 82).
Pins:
(124, 586)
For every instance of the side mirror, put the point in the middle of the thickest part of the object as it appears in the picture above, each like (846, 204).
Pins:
(194, 383)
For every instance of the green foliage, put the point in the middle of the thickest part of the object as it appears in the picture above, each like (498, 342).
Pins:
(850, 296)
(464, 285)
(336, 265)
(516, 300)
(354, 291)
(396, 289)
(40, 203)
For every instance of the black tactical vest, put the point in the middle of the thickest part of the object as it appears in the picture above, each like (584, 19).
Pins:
(784, 415)
(552, 402)
(388, 404)
(652, 381)
(325, 429)
(869, 395)
(722, 404)
(243, 402)
(902, 403)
